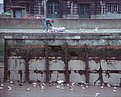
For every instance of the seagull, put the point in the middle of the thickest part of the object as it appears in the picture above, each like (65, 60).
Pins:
(11, 82)
(97, 94)
(81, 85)
(42, 87)
(67, 84)
(87, 86)
(96, 29)
(28, 89)
(101, 87)
(38, 81)
(2, 85)
(58, 86)
(9, 88)
(108, 85)
(60, 81)
(83, 88)
(43, 84)
(114, 87)
(73, 83)
(34, 84)
(83, 82)
(81, 29)
(62, 87)
(114, 90)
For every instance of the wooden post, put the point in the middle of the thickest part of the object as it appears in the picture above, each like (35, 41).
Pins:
(27, 65)
(120, 82)
(47, 63)
(66, 63)
(86, 64)
(5, 60)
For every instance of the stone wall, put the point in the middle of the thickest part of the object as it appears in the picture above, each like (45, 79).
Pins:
(67, 23)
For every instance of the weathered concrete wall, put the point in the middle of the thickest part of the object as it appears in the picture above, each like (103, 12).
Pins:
(20, 23)
(67, 23)
(16, 64)
(58, 39)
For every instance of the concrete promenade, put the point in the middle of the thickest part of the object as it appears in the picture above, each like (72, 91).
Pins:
(56, 91)
(81, 30)
(63, 91)
(67, 34)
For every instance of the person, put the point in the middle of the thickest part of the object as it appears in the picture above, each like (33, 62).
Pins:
(20, 76)
(9, 74)
(47, 23)
(100, 78)
(108, 73)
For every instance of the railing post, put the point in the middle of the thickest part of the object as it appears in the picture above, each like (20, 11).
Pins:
(5, 60)
(27, 65)
(47, 62)
(86, 65)
(66, 63)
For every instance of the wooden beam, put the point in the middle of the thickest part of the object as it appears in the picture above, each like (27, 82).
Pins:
(47, 62)
(27, 66)
(67, 79)
(86, 65)
(5, 60)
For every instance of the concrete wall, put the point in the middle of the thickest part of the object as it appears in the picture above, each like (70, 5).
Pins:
(16, 64)
(67, 23)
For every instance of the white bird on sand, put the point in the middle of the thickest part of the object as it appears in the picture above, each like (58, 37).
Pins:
(60, 81)
(42, 87)
(62, 87)
(114, 87)
(83, 82)
(73, 83)
(28, 89)
(114, 90)
(97, 94)
(9, 88)
(71, 88)
(11, 82)
(96, 29)
(108, 85)
(101, 87)
(58, 86)
(81, 85)
(82, 29)
(83, 88)
(2, 85)
(43, 84)
(34, 84)
(87, 86)
(67, 85)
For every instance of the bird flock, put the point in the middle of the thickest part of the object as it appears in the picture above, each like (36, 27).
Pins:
(59, 85)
